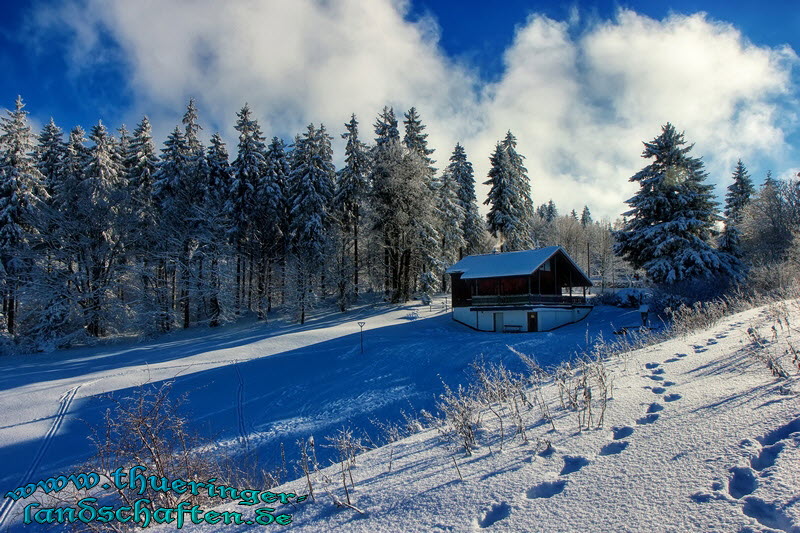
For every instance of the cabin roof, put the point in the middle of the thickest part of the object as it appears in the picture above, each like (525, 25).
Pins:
(522, 263)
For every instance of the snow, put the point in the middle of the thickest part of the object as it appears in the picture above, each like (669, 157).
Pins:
(698, 437)
(521, 263)
(296, 380)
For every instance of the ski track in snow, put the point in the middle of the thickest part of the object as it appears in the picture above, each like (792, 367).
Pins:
(64, 404)
(240, 408)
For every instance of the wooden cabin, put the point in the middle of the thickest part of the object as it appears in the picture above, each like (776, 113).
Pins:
(529, 290)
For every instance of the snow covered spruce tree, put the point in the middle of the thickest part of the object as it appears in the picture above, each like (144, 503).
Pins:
(140, 163)
(248, 168)
(49, 152)
(451, 223)
(669, 228)
(173, 211)
(49, 155)
(737, 198)
(386, 127)
(427, 225)
(511, 209)
(417, 141)
(220, 178)
(58, 320)
(52, 318)
(22, 189)
(312, 182)
(401, 212)
(266, 232)
(278, 170)
(352, 187)
(472, 228)
(197, 287)
(97, 240)
(547, 212)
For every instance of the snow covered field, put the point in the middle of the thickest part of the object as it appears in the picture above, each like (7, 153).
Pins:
(260, 385)
(699, 437)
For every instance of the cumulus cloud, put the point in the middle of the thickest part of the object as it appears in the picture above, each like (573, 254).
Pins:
(580, 99)
(582, 104)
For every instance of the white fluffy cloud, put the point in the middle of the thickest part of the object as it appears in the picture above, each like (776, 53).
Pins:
(579, 100)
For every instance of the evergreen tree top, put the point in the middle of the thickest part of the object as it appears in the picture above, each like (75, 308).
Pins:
(386, 128)
(352, 182)
(217, 150)
(16, 135)
(586, 216)
(50, 151)
(192, 127)
(739, 193)
(414, 138)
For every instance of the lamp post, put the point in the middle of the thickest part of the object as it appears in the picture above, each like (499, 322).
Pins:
(361, 325)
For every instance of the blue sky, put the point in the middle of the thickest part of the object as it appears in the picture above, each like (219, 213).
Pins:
(581, 85)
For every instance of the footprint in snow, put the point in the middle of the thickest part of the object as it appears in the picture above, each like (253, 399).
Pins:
(699, 349)
(573, 463)
(672, 360)
(613, 448)
(655, 407)
(658, 390)
(682, 355)
(651, 365)
(668, 383)
(767, 457)
(622, 432)
(499, 511)
(656, 378)
(546, 489)
(647, 419)
(672, 397)
(658, 371)
(780, 433)
(742, 482)
(768, 514)
(772, 444)
(710, 342)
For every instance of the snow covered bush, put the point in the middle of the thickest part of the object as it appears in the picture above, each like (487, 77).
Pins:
(462, 413)
(148, 429)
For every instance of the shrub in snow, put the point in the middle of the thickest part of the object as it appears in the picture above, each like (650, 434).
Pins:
(461, 416)
(147, 428)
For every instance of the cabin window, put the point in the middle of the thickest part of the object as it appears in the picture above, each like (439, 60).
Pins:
(545, 266)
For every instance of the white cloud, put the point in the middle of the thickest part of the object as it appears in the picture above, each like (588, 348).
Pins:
(581, 106)
(579, 101)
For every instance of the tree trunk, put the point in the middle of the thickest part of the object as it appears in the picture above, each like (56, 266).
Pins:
(215, 309)
(355, 253)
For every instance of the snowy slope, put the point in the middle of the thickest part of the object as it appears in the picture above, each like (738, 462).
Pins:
(699, 437)
(259, 384)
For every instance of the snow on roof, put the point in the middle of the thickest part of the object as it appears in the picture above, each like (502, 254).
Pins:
(506, 264)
